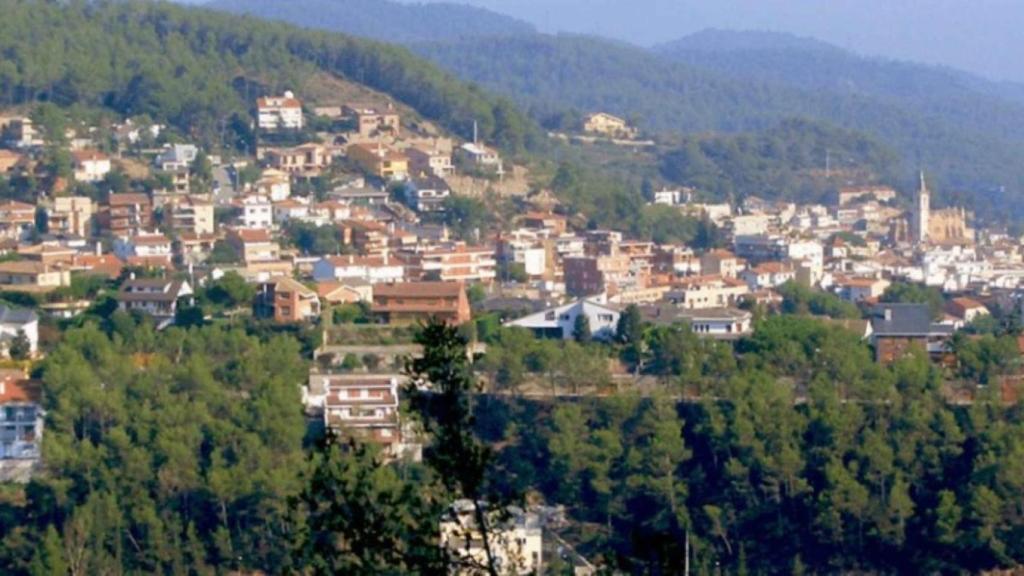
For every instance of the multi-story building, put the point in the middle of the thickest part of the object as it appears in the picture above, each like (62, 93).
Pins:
(363, 407)
(128, 214)
(430, 161)
(292, 302)
(193, 215)
(279, 113)
(17, 220)
(257, 212)
(412, 302)
(157, 297)
(253, 245)
(700, 292)
(457, 263)
(146, 249)
(608, 125)
(593, 275)
(21, 418)
(71, 215)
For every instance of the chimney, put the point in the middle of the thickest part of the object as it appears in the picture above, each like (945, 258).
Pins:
(888, 314)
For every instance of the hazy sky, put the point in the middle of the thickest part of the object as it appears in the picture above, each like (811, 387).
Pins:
(982, 36)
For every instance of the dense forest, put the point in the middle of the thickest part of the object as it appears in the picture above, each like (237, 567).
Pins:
(786, 162)
(796, 453)
(384, 20)
(201, 70)
(968, 142)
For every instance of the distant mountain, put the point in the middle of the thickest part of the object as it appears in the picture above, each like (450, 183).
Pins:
(383, 19)
(805, 63)
(966, 132)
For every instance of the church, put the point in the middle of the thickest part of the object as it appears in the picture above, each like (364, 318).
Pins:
(945, 226)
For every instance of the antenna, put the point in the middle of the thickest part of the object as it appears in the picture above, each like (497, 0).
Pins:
(474, 132)
(828, 163)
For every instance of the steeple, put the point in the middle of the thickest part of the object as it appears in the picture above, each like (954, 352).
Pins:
(922, 211)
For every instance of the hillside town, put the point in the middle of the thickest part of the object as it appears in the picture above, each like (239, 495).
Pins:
(346, 226)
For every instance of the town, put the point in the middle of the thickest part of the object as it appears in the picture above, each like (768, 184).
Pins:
(346, 229)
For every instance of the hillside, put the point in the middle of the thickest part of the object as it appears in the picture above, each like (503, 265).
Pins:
(201, 70)
(383, 19)
(968, 139)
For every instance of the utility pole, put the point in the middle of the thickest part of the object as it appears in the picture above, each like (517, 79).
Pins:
(686, 560)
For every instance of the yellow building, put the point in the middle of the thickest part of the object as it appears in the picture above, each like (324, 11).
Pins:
(381, 161)
(608, 125)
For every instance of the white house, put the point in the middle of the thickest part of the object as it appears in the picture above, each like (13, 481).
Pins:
(15, 320)
(559, 322)
(372, 269)
(257, 212)
(90, 165)
(177, 157)
(157, 297)
(515, 539)
(143, 245)
(279, 112)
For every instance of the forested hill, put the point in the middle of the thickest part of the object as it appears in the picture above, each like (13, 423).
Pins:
(804, 63)
(383, 19)
(200, 70)
(968, 140)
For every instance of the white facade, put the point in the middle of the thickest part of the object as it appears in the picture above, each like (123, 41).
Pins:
(257, 212)
(559, 322)
(370, 270)
(516, 543)
(279, 113)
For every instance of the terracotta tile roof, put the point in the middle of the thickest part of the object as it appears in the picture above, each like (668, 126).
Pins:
(418, 290)
(16, 389)
(127, 199)
(252, 235)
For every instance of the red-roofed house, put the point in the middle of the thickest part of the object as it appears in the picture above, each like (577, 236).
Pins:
(90, 165)
(411, 302)
(254, 244)
(21, 417)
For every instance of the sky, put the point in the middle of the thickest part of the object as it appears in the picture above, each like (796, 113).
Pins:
(980, 36)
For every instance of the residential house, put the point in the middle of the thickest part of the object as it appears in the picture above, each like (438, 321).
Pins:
(257, 212)
(857, 289)
(767, 275)
(371, 121)
(21, 133)
(21, 418)
(9, 160)
(348, 292)
(411, 302)
(381, 161)
(427, 193)
(32, 276)
(145, 245)
(90, 165)
(279, 113)
(191, 248)
(71, 216)
(17, 220)
(897, 329)
(555, 224)
(371, 269)
(176, 157)
(430, 161)
(128, 214)
(253, 245)
(292, 301)
(157, 297)
(515, 540)
(719, 263)
(107, 265)
(560, 322)
(307, 160)
(481, 156)
(15, 321)
(966, 309)
(703, 292)
(608, 125)
(715, 323)
(274, 184)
